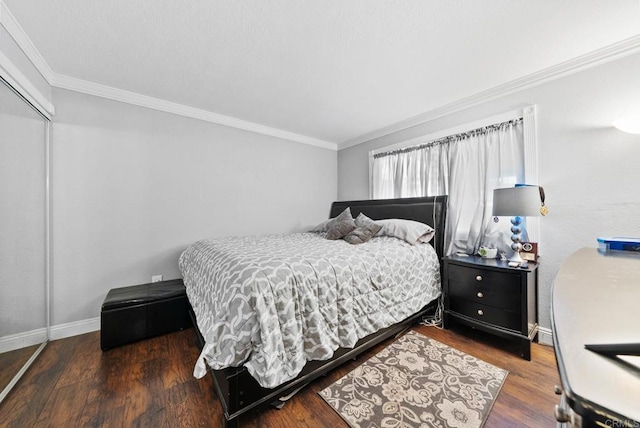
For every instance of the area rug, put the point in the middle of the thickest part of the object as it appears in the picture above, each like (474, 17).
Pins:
(417, 382)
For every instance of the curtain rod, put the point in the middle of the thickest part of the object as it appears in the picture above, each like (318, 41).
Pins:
(449, 138)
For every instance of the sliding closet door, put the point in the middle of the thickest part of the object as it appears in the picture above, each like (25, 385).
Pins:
(23, 239)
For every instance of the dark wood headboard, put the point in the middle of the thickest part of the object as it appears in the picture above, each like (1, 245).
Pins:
(431, 210)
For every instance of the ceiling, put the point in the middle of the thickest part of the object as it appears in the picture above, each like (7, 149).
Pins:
(331, 70)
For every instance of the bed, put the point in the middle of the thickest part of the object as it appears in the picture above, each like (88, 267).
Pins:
(274, 312)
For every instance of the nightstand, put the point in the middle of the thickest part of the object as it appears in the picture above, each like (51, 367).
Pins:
(489, 295)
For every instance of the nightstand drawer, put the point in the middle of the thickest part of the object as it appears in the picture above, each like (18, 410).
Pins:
(484, 313)
(490, 295)
(497, 289)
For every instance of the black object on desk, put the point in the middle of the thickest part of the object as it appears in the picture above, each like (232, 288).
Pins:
(615, 348)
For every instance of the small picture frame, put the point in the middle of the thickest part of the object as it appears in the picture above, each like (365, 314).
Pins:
(529, 251)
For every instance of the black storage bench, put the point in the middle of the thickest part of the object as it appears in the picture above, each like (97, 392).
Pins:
(142, 311)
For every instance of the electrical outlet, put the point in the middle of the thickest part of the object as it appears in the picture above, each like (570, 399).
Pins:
(156, 278)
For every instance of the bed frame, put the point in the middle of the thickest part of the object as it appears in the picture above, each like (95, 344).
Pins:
(241, 393)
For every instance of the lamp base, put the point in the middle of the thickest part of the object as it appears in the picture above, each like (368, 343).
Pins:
(516, 246)
(516, 258)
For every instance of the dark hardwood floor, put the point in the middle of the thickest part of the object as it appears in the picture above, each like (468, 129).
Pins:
(11, 362)
(150, 383)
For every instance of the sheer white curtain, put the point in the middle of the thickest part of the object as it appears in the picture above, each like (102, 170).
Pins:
(465, 166)
(412, 172)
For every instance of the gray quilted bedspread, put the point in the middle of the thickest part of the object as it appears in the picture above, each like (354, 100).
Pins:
(275, 302)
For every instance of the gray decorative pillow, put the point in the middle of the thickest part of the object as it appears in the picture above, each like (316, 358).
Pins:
(322, 227)
(341, 225)
(365, 230)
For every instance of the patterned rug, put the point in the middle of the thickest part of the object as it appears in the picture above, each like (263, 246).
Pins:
(417, 382)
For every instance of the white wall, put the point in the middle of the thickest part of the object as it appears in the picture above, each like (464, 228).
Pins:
(132, 187)
(590, 171)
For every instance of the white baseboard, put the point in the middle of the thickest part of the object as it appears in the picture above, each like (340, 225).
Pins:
(75, 328)
(60, 331)
(22, 340)
(545, 336)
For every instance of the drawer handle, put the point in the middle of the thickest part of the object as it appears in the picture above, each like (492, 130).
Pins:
(480, 295)
(480, 312)
(479, 278)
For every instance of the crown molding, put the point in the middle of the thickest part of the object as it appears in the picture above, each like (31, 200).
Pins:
(21, 84)
(609, 53)
(12, 74)
(103, 91)
(23, 41)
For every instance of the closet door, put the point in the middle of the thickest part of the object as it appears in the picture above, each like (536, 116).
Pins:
(23, 235)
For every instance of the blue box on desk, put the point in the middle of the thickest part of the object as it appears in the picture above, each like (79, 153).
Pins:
(619, 243)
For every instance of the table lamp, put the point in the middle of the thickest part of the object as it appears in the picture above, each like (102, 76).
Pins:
(520, 201)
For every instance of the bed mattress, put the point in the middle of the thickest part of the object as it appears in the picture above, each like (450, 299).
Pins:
(272, 303)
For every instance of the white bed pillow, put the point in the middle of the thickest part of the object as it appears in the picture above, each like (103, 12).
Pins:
(414, 232)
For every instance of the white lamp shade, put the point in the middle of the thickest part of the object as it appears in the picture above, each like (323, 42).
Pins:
(629, 124)
(517, 201)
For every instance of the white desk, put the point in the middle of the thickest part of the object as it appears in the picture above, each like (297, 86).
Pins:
(596, 299)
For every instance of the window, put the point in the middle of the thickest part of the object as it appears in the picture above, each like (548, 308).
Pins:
(467, 166)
